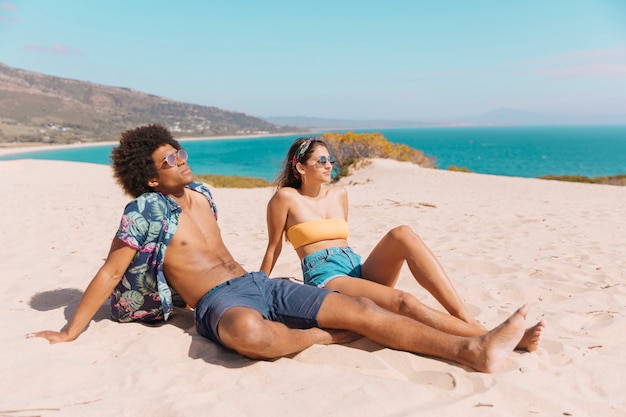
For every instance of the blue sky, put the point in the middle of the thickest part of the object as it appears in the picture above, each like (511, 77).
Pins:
(400, 60)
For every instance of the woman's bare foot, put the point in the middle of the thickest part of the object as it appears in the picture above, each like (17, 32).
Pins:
(466, 316)
(532, 337)
(475, 323)
(494, 347)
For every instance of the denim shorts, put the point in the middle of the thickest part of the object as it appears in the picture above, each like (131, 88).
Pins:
(320, 267)
(281, 300)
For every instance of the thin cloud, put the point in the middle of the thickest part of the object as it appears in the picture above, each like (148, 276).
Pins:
(62, 50)
(592, 54)
(589, 56)
(580, 64)
(55, 49)
(5, 5)
(450, 73)
(586, 71)
(10, 7)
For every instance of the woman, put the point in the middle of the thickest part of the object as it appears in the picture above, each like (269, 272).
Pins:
(314, 217)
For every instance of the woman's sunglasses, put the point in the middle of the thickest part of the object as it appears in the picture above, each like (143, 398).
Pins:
(171, 158)
(323, 160)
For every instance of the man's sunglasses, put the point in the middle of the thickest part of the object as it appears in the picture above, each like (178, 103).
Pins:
(171, 158)
(323, 160)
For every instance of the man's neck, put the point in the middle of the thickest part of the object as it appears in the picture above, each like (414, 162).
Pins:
(183, 198)
(178, 194)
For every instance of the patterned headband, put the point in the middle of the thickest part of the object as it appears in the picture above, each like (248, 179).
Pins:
(301, 151)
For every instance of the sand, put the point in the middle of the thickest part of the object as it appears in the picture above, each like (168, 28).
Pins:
(559, 247)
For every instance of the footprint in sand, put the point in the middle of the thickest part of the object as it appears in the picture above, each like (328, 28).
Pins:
(461, 383)
(557, 354)
(442, 380)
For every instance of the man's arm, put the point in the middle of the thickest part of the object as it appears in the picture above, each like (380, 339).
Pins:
(98, 291)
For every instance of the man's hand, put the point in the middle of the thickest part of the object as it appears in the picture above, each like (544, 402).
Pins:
(52, 336)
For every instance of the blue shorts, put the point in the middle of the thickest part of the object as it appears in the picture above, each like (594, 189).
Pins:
(320, 267)
(281, 300)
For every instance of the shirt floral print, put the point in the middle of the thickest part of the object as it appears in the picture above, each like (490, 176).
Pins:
(148, 224)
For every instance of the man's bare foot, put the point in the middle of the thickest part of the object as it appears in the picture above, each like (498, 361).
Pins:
(495, 346)
(532, 337)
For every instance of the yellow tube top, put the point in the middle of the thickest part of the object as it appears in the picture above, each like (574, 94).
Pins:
(316, 230)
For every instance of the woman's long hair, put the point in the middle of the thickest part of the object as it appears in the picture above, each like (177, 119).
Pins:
(299, 151)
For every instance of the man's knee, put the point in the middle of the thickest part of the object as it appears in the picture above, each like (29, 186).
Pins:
(245, 332)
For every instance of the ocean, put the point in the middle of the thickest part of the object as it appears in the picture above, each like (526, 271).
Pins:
(528, 151)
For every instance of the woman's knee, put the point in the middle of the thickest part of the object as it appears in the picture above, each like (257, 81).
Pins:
(362, 306)
(341, 311)
(407, 303)
(403, 233)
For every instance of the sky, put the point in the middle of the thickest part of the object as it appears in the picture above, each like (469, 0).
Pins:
(360, 60)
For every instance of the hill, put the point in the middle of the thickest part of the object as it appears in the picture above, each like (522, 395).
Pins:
(41, 108)
(326, 123)
(496, 117)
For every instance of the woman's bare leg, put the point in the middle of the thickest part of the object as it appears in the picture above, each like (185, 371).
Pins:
(403, 244)
(406, 304)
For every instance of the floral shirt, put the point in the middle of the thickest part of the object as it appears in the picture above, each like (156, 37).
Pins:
(148, 224)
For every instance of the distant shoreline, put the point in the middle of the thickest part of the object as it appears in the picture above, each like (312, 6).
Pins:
(529, 152)
(16, 149)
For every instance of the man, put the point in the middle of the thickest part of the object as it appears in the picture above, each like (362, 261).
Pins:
(247, 312)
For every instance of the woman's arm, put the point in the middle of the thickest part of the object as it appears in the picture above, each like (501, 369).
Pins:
(343, 195)
(97, 292)
(276, 216)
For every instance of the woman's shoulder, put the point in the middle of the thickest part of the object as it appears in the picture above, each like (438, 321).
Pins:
(289, 193)
(284, 194)
(335, 189)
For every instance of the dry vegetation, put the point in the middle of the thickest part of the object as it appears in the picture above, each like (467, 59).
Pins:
(349, 148)
(233, 181)
(610, 180)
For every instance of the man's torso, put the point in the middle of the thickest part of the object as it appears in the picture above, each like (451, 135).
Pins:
(197, 259)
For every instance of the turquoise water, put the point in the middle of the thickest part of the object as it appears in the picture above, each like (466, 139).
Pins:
(510, 151)
(523, 151)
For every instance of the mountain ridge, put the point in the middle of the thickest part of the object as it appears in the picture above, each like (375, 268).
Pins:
(502, 116)
(36, 107)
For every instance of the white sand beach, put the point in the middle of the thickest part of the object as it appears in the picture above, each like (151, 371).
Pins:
(556, 246)
(21, 148)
